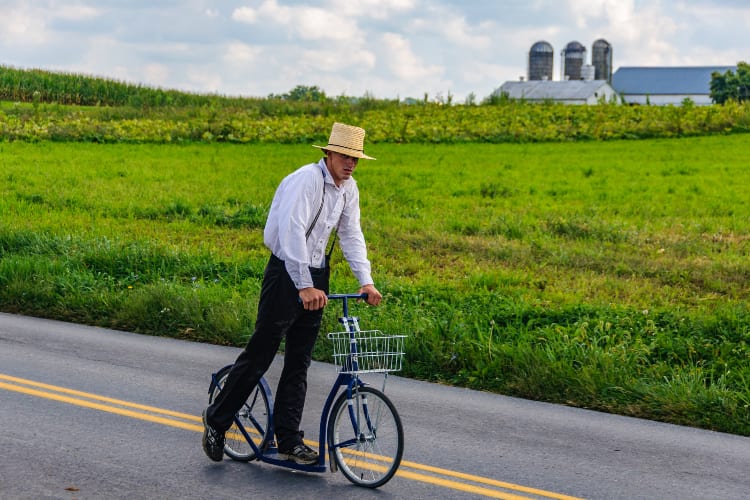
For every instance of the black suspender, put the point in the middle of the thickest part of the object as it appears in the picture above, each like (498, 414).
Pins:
(335, 234)
(315, 220)
(329, 252)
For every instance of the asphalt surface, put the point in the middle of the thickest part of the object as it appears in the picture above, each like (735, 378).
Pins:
(95, 413)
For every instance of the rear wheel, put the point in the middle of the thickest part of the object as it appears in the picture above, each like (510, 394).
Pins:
(255, 417)
(365, 437)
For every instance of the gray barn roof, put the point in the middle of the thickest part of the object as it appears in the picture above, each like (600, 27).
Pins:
(666, 80)
(571, 90)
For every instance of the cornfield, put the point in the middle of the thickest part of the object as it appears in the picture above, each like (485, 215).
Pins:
(71, 107)
(37, 85)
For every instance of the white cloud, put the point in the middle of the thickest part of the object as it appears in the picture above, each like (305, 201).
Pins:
(402, 62)
(317, 24)
(75, 12)
(476, 72)
(157, 74)
(120, 72)
(208, 82)
(387, 47)
(584, 11)
(340, 58)
(272, 11)
(374, 9)
(641, 34)
(305, 23)
(238, 52)
(455, 30)
(104, 56)
(245, 15)
(24, 24)
(32, 24)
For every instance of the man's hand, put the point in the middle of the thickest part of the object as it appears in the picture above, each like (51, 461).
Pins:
(373, 296)
(313, 299)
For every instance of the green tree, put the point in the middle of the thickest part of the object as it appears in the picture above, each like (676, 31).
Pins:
(306, 94)
(730, 85)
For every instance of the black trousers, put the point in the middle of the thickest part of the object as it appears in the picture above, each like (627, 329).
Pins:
(280, 314)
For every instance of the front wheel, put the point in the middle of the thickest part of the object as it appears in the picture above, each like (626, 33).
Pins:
(365, 437)
(255, 417)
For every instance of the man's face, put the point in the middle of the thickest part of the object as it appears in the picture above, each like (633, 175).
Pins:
(340, 166)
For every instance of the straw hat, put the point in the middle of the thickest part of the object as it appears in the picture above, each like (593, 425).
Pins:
(347, 140)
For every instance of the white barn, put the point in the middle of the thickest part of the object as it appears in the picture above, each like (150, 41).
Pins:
(566, 92)
(666, 85)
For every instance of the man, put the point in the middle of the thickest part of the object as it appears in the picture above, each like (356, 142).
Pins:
(308, 205)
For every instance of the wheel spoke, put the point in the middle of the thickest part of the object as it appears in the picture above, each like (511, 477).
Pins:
(254, 416)
(366, 437)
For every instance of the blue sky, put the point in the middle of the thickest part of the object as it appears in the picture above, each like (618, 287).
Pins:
(387, 48)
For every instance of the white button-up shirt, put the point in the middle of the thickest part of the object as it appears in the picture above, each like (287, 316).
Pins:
(293, 209)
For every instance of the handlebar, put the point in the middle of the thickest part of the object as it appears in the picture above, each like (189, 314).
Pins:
(345, 298)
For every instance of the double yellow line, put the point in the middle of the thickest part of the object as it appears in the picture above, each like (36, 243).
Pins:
(445, 478)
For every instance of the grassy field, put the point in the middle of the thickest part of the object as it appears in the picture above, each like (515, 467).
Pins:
(608, 275)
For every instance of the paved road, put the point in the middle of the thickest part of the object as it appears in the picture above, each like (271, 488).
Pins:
(95, 413)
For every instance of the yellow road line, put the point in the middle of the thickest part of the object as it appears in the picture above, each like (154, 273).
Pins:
(161, 416)
(101, 407)
(96, 397)
(487, 481)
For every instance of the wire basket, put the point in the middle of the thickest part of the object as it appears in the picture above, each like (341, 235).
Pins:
(376, 352)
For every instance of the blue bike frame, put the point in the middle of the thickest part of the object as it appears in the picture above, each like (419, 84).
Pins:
(348, 380)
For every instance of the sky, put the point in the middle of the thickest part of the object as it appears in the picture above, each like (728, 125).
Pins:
(442, 49)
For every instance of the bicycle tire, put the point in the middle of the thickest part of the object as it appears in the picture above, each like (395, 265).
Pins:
(255, 416)
(371, 456)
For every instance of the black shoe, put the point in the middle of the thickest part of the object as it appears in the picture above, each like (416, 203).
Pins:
(213, 441)
(301, 454)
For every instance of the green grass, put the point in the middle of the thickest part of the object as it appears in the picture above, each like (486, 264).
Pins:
(607, 275)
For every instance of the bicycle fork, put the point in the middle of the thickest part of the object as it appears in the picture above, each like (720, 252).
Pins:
(359, 415)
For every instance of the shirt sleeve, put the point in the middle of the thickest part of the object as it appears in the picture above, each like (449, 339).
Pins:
(352, 240)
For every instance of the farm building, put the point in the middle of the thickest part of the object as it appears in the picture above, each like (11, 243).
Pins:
(567, 92)
(666, 85)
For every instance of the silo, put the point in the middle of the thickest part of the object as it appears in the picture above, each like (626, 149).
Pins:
(573, 57)
(588, 72)
(601, 59)
(540, 61)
